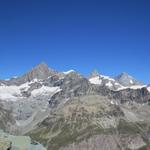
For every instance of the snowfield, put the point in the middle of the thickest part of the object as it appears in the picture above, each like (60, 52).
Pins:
(148, 88)
(13, 93)
(44, 90)
(107, 78)
(109, 84)
(9, 93)
(95, 80)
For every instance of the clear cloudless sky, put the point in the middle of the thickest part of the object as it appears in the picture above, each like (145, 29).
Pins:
(112, 36)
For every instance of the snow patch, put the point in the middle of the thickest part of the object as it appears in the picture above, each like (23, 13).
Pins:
(131, 81)
(148, 88)
(95, 80)
(109, 84)
(70, 71)
(44, 90)
(107, 78)
(112, 102)
(117, 83)
(137, 87)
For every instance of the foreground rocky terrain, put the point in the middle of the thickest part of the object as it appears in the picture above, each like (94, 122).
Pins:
(11, 142)
(67, 111)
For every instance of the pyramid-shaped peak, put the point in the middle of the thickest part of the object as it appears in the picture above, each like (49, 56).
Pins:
(124, 74)
(42, 65)
(94, 73)
(41, 71)
(126, 80)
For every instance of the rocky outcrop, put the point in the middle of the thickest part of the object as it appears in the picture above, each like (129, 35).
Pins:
(11, 142)
(5, 144)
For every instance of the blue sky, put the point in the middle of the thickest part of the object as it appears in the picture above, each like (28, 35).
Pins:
(110, 36)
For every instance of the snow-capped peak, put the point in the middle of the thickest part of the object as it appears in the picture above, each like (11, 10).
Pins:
(126, 80)
(45, 91)
(123, 81)
(94, 73)
(107, 81)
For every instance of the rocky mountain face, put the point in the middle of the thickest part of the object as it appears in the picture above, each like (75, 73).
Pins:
(11, 142)
(67, 111)
(41, 71)
(127, 80)
(7, 122)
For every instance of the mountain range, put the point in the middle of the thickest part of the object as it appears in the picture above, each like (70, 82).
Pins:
(69, 111)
